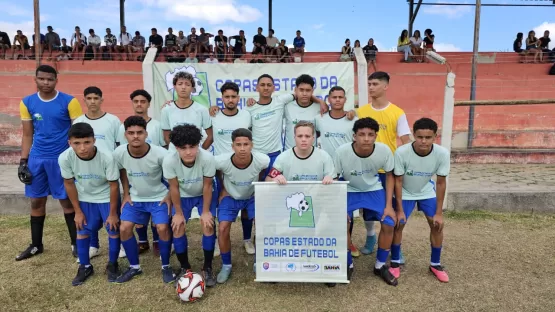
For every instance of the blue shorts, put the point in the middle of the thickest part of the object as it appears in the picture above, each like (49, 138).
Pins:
(273, 157)
(47, 179)
(372, 203)
(216, 190)
(140, 213)
(188, 203)
(95, 215)
(381, 176)
(428, 206)
(229, 208)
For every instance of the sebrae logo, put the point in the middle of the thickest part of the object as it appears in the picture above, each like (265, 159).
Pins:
(37, 116)
(200, 92)
(301, 211)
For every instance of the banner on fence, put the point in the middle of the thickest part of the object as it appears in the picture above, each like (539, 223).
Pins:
(301, 232)
(210, 77)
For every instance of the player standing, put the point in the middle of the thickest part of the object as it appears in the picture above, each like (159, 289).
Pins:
(358, 163)
(190, 172)
(393, 124)
(91, 182)
(238, 170)
(230, 119)
(140, 99)
(46, 117)
(415, 165)
(140, 165)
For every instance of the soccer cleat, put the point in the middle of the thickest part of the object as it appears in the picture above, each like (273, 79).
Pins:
(167, 275)
(395, 270)
(74, 251)
(224, 274)
(350, 272)
(439, 273)
(128, 275)
(29, 252)
(249, 247)
(156, 248)
(354, 250)
(216, 250)
(209, 278)
(82, 274)
(122, 252)
(112, 271)
(386, 275)
(330, 285)
(143, 247)
(369, 245)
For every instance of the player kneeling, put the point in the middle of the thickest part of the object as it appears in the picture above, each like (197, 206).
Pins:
(415, 165)
(358, 163)
(140, 165)
(190, 171)
(94, 197)
(238, 170)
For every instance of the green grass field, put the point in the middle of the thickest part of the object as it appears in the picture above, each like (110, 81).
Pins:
(496, 262)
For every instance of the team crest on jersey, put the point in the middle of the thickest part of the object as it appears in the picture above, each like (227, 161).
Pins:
(37, 116)
(409, 172)
(200, 92)
(301, 210)
(354, 173)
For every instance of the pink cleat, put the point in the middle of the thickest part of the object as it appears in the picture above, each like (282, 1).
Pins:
(395, 271)
(439, 273)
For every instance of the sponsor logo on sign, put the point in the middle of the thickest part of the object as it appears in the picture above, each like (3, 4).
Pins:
(331, 268)
(310, 268)
(270, 267)
(290, 267)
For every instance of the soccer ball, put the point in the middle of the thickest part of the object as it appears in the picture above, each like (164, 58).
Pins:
(303, 205)
(190, 287)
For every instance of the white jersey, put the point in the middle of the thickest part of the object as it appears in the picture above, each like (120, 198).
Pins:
(362, 172)
(238, 182)
(92, 176)
(196, 115)
(334, 132)
(312, 168)
(267, 124)
(190, 179)
(223, 125)
(154, 130)
(105, 128)
(144, 174)
(295, 113)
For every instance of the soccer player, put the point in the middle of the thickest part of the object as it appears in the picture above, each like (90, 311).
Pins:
(393, 124)
(358, 163)
(185, 111)
(140, 165)
(46, 117)
(140, 99)
(334, 128)
(91, 182)
(230, 119)
(415, 165)
(105, 126)
(190, 172)
(238, 170)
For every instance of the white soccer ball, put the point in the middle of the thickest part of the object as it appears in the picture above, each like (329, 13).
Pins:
(190, 287)
(303, 205)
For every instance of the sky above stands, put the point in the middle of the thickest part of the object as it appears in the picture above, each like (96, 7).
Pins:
(324, 27)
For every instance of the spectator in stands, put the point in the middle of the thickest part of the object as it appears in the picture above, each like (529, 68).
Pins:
(181, 42)
(125, 44)
(78, 43)
(65, 51)
(532, 46)
(171, 41)
(298, 45)
(20, 43)
(370, 52)
(258, 56)
(139, 45)
(416, 46)
(357, 45)
(272, 43)
(95, 42)
(111, 43)
(428, 40)
(240, 46)
(175, 58)
(52, 41)
(5, 44)
(403, 45)
(544, 47)
(204, 43)
(41, 44)
(221, 46)
(191, 59)
(193, 40)
(284, 56)
(155, 41)
(517, 47)
(346, 51)
(211, 59)
(241, 60)
(259, 42)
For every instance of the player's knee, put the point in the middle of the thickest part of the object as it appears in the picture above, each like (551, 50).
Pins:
(399, 228)
(224, 228)
(82, 236)
(38, 203)
(66, 204)
(114, 235)
(178, 232)
(126, 229)
(207, 231)
(389, 222)
(388, 227)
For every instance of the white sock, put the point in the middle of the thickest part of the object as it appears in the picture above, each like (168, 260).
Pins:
(140, 242)
(247, 240)
(379, 264)
(370, 231)
(435, 264)
(88, 265)
(136, 267)
(351, 266)
(226, 266)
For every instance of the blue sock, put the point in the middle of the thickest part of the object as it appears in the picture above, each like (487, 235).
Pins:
(94, 239)
(155, 236)
(180, 244)
(208, 242)
(142, 232)
(83, 250)
(131, 250)
(247, 228)
(113, 249)
(226, 258)
(436, 256)
(382, 254)
(165, 251)
(349, 259)
(396, 253)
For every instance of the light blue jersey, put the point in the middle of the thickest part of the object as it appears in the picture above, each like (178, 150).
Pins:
(190, 179)
(334, 132)
(196, 114)
(315, 167)
(238, 182)
(224, 125)
(295, 113)
(154, 130)
(105, 128)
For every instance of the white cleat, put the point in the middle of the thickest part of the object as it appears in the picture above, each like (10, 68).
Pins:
(93, 252)
(122, 252)
(216, 250)
(249, 247)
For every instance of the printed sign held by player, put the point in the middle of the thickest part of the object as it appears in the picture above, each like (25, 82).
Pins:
(301, 210)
